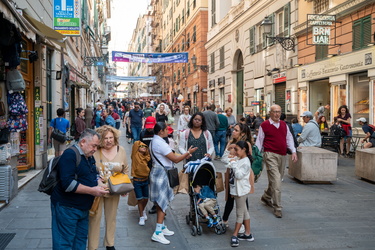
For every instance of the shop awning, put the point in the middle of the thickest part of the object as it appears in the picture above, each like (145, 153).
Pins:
(10, 13)
(45, 31)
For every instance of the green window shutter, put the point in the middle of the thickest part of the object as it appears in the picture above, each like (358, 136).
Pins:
(287, 20)
(212, 63)
(366, 31)
(272, 18)
(321, 52)
(252, 40)
(357, 34)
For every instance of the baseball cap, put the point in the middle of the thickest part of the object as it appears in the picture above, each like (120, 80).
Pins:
(362, 119)
(306, 113)
(150, 122)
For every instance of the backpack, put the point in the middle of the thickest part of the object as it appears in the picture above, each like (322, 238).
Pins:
(372, 127)
(338, 131)
(50, 175)
(257, 163)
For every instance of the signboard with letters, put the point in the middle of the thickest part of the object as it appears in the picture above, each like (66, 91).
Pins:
(67, 17)
(323, 29)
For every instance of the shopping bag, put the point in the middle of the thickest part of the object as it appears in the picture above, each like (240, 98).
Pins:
(219, 182)
(183, 188)
(95, 206)
(132, 200)
(119, 183)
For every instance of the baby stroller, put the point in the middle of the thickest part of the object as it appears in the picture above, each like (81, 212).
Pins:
(203, 174)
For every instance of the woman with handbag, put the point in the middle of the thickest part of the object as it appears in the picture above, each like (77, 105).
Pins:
(110, 159)
(344, 117)
(61, 124)
(197, 136)
(161, 192)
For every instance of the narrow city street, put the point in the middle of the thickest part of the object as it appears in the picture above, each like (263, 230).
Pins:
(315, 216)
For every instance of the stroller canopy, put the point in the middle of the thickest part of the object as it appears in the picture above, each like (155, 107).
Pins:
(205, 175)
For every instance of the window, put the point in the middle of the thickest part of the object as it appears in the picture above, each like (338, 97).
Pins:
(188, 41)
(269, 42)
(321, 52)
(213, 13)
(361, 32)
(194, 3)
(212, 66)
(320, 6)
(183, 45)
(188, 9)
(194, 36)
(287, 20)
(222, 58)
(183, 16)
(252, 40)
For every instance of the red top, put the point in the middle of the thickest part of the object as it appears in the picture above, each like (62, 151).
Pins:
(115, 116)
(274, 138)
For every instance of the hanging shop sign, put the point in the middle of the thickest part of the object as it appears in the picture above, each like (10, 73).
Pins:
(67, 17)
(323, 29)
(118, 56)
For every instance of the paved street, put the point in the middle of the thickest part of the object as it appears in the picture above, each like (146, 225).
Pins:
(315, 216)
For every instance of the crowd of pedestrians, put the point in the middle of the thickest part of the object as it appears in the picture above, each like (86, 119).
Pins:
(206, 133)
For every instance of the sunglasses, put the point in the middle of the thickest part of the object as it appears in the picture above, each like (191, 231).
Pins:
(143, 146)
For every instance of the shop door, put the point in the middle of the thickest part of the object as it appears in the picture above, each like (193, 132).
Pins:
(320, 96)
(240, 93)
(280, 95)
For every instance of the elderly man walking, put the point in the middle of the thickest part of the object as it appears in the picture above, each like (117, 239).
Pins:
(310, 136)
(273, 139)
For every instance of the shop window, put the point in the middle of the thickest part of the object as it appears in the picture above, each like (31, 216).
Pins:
(212, 94)
(222, 98)
(361, 98)
(338, 97)
(321, 52)
(259, 98)
(362, 33)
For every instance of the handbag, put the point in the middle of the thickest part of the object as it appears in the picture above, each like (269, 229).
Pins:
(219, 182)
(57, 134)
(183, 187)
(172, 173)
(119, 183)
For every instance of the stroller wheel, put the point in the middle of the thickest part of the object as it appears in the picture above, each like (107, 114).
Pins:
(187, 219)
(223, 228)
(218, 230)
(194, 230)
(199, 230)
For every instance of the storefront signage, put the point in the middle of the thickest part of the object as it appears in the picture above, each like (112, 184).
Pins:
(256, 103)
(279, 77)
(67, 17)
(322, 27)
(353, 62)
(36, 116)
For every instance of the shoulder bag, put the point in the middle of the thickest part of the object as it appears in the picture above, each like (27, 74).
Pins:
(57, 134)
(172, 173)
(118, 183)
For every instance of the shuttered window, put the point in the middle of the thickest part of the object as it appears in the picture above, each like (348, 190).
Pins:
(287, 20)
(361, 33)
(222, 57)
(252, 40)
(321, 52)
(212, 63)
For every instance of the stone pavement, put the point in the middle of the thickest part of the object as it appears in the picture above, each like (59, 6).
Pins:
(315, 216)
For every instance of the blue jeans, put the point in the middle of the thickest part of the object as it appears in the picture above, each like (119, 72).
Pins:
(136, 132)
(141, 189)
(220, 137)
(69, 227)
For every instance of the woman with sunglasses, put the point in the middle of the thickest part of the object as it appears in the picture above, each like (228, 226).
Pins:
(241, 132)
(160, 191)
(197, 136)
(110, 159)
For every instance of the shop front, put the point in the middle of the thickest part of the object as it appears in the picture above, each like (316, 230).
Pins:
(342, 80)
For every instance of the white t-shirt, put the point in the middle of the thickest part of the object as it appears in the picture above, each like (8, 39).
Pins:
(160, 149)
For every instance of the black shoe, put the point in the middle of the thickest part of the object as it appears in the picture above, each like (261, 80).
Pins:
(152, 210)
(246, 237)
(110, 248)
(234, 242)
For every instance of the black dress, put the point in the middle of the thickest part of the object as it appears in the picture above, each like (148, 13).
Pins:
(161, 118)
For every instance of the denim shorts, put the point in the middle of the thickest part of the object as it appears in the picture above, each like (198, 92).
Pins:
(141, 189)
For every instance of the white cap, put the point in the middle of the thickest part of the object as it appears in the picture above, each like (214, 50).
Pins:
(306, 113)
(362, 119)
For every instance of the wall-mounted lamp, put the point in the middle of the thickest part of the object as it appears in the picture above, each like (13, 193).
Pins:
(58, 75)
(33, 56)
(298, 65)
(273, 71)
(286, 42)
(204, 68)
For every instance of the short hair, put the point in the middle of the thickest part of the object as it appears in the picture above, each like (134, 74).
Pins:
(159, 126)
(88, 134)
(60, 112)
(103, 131)
(282, 116)
(203, 126)
(294, 120)
(229, 108)
(136, 103)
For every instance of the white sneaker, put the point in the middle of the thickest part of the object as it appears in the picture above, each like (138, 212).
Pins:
(141, 221)
(167, 232)
(144, 214)
(160, 238)
(242, 229)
